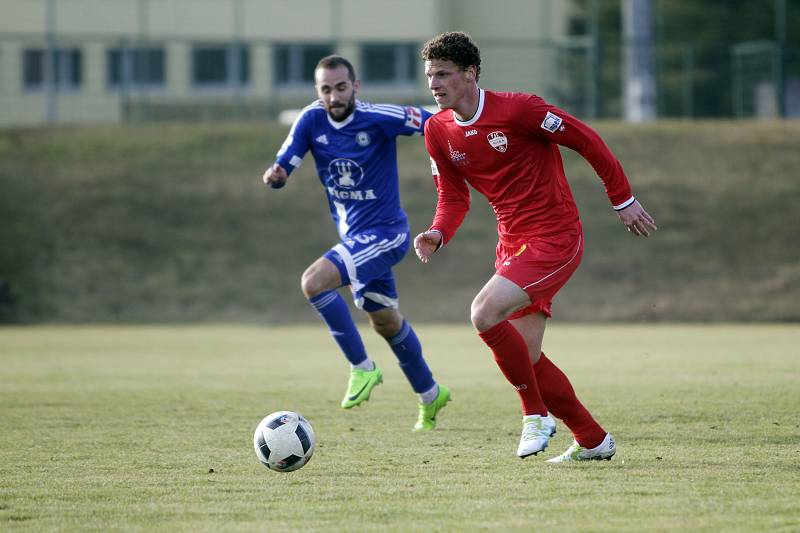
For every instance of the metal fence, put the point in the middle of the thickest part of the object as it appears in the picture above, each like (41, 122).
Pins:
(746, 80)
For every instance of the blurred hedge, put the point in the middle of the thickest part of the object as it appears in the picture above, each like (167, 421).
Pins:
(170, 223)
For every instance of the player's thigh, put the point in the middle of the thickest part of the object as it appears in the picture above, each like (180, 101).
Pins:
(322, 275)
(531, 327)
(380, 293)
(496, 300)
(368, 257)
(542, 266)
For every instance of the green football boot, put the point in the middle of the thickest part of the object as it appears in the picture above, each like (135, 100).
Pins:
(428, 411)
(360, 386)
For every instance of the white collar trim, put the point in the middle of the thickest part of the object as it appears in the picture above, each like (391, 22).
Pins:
(345, 122)
(477, 114)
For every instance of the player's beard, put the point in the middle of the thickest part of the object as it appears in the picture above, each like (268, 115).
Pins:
(342, 111)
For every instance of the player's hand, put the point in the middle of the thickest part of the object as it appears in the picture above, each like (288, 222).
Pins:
(275, 176)
(426, 243)
(637, 220)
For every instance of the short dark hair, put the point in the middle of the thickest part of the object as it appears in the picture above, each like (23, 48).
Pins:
(335, 61)
(455, 46)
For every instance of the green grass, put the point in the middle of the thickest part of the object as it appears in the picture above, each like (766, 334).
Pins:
(119, 428)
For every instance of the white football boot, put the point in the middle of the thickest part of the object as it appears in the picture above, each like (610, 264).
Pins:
(576, 452)
(536, 433)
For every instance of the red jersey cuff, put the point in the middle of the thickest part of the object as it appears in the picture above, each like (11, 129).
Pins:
(441, 243)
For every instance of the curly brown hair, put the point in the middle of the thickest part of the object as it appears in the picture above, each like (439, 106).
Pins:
(455, 46)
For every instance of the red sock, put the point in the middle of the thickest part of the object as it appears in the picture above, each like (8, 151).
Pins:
(511, 354)
(558, 394)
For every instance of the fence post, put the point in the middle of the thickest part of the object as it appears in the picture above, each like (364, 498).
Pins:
(688, 80)
(49, 71)
(125, 78)
(780, 59)
(640, 90)
(737, 93)
(594, 61)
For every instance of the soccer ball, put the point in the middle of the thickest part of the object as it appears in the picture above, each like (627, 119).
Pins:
(284, 441)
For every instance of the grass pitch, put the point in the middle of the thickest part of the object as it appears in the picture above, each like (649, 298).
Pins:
(150, 428)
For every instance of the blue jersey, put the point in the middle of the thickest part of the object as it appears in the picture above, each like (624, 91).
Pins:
(356, 160)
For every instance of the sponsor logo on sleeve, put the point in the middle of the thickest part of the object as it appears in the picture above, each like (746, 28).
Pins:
(413, 117)
(551, 122)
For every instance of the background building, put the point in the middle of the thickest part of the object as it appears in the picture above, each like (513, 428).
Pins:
(109, 61)
(68, 61)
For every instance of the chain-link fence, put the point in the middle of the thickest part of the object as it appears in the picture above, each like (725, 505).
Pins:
(753, 79)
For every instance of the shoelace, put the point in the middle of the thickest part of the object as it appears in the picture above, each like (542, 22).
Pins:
(357, 379)
(574, 450)
(530, 431)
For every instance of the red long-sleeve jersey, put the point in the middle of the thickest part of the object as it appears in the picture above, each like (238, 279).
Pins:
(508, 152)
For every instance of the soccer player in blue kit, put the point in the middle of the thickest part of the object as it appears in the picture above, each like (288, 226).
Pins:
(354, 148)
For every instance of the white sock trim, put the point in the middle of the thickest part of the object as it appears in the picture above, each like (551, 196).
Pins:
(429, 395)
(367, 364)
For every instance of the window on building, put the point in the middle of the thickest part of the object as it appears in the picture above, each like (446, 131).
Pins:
(389, 63)
(65, 68)
(219, 65)
(135, 67)
(294, 63)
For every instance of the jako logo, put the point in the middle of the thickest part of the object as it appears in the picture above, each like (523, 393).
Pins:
(470, 133)
(521, 387)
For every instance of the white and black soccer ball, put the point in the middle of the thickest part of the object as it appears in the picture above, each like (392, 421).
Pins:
(284, 441)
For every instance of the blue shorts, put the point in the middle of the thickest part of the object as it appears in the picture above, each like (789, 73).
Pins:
(365, 263)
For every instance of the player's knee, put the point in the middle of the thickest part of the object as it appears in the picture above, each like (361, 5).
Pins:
(311, 284)
(480, 322)
(386, 324)
(483, 317)
(384, 329)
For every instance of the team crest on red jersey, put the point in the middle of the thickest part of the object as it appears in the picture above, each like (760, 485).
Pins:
(498, 141)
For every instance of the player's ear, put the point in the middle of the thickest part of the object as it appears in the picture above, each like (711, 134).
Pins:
(470, 74)
(356, 86)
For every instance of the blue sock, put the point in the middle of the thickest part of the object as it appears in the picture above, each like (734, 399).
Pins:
(408, 350)
(333, 310)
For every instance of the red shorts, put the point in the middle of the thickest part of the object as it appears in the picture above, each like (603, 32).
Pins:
(541, 267)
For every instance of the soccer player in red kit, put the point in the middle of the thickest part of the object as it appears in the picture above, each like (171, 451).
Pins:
(505, 145)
